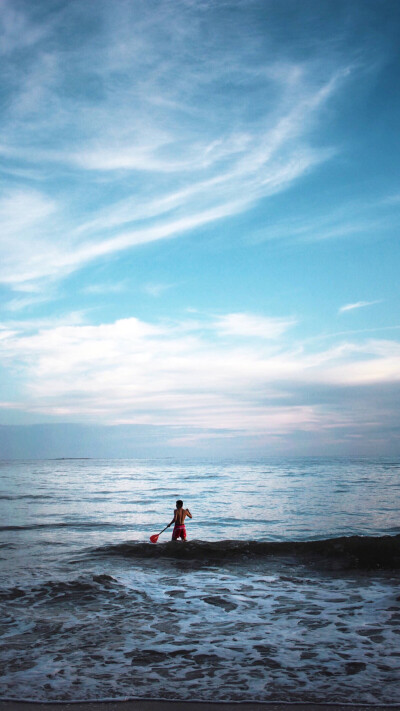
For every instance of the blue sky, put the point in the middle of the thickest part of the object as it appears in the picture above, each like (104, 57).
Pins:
(200, 211)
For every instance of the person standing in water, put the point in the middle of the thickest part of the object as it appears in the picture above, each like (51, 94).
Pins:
(179, 520)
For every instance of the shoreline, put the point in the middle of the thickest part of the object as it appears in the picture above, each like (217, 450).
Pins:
(161, 705)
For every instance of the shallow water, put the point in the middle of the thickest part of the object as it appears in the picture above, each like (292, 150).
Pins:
(87, 612)
(269, 631)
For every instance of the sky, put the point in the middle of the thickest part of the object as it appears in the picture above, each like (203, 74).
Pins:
(199, 228)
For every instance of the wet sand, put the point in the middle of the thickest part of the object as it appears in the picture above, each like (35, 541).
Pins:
(148, 705)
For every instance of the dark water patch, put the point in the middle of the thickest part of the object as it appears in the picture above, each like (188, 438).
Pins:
(75, 525)
(226, 605)
(104, 578)
(176, 593)
(12, 593)
(355, 667)
(73, 588)
(21, 497)
(353, 552)
(58, 590)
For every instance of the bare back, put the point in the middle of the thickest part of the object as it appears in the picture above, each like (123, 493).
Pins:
(179, 516)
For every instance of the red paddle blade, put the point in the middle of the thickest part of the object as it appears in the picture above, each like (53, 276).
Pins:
(154, 538)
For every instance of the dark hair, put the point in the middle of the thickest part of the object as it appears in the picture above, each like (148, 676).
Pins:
(179, 504)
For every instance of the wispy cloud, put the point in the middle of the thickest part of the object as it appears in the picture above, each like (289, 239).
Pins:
(17, 30)
(358, 305)
(135, 133)
(156, 290)
(353, 218)
(105, 288)
(252, 325)
(22, 211)
(25, 302)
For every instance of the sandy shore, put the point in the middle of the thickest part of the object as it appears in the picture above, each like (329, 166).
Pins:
(186, 706)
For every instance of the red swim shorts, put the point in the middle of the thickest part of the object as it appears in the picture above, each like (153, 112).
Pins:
(179, 532)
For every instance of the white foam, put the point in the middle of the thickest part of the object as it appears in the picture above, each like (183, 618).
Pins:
(217, 634)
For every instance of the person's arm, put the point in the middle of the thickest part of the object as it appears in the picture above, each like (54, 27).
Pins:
(188, 513)
(173, 520)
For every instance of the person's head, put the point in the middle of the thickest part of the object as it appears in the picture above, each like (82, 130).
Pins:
(179, 504)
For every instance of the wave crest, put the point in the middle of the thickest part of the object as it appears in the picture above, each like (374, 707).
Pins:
(363, 552)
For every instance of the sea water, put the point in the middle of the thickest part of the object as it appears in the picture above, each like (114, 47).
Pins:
(91, 610)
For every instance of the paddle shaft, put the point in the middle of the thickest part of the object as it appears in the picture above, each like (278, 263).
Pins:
(164, 529)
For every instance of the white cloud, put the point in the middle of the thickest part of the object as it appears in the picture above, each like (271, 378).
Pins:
(358, 305)
(32, 325)
(240, 324)
(131, 371)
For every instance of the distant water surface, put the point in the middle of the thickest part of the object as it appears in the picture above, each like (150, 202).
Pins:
(77, 502)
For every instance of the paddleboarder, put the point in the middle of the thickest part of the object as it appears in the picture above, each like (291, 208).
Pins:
(179, 518)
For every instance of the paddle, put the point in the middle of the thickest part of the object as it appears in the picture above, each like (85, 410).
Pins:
(154, 538)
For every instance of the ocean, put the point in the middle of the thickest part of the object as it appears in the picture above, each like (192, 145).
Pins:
(287, 589)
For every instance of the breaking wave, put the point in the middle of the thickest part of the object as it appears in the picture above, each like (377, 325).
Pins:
(363, 552)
